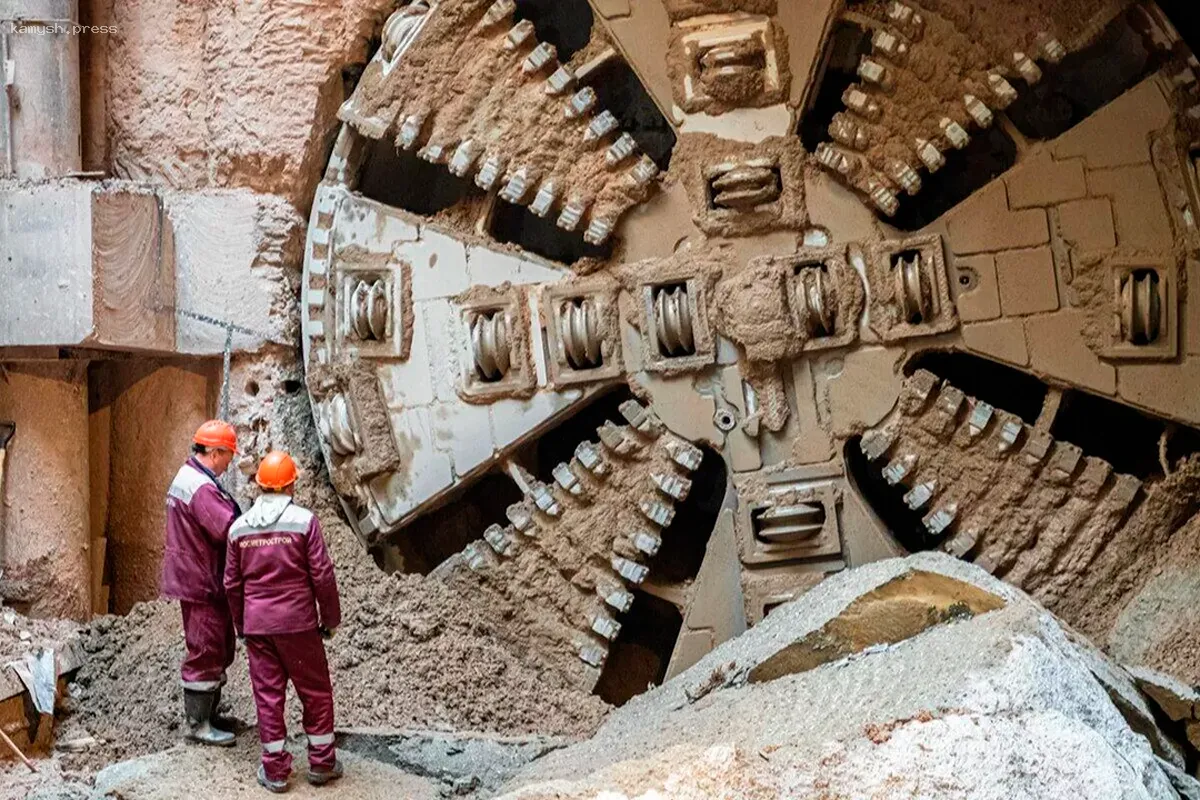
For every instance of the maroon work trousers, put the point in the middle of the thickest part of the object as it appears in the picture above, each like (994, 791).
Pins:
(208, 633)
(300, 658)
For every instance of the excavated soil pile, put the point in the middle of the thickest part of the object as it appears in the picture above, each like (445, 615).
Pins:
(410, 653)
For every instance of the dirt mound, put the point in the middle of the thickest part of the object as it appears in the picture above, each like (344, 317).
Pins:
(411, 652)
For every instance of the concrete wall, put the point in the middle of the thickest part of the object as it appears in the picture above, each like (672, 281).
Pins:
(44, 533)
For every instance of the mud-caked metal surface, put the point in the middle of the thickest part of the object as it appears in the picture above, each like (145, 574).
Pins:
(765, 304)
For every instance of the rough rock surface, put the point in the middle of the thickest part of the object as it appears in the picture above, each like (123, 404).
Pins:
(1005, 703)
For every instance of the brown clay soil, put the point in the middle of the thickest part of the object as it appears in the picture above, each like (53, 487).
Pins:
(410, 653)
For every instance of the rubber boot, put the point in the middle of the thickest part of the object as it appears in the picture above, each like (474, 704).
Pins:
(320, 777)
(198, 708)
(278, 787)
(219, 720)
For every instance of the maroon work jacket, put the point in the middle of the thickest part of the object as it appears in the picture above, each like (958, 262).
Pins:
(199, 513)
(278, 576)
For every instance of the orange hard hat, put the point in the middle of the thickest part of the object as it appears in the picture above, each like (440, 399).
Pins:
(276, 470)
(217, 433)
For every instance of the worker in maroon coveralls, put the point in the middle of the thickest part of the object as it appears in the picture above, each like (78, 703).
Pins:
(199, 513)
(284, 600)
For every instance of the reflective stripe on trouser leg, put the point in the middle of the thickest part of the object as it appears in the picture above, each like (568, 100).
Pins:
(268, 677)
(304, 657)
(202, 686)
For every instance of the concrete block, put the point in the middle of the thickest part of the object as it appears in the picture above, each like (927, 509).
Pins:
(1118, 134)
(1142, 220)
(1057, 349)
(1003, 339)
(1026, 280)
(465, 432)
(46, 258)
(1044, 181)
(981, 301)
(1087, 225)
(231, 253)
(439, 265)
(983, 223)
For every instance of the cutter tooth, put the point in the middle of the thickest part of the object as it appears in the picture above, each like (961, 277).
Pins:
(1050, 48)
(684, 454)
(547, 193)
(672, 485)
(517, 186)
(433, 153)
(978, 111)
(1028, 70)
(905, 176)
(930, 155)
(614, 594)
(898, 468)
(981, 415)
(498, 539)
(605, 625)
(410, 130)
(874, 444)
(561, 80)
(490, 172)
(646, 542)
(518, 35)
(545, 53)
(581, 102)
(955, 134)
(567, 480)
(519, 515)
(644, 171)
(658, 513)
(861, 103)
(589, 457)
(592, 654)
(938, 521)
(640, 418)
(871, 71)
(598, 231)
(620, 150)
(498, 12)
(545, 500)
(601, 125)
(615, 439)
(464, 158)
(1009, 432)
(883, 197)
(919, 495)
(572, 214)
(1002, 90)
(630, 570)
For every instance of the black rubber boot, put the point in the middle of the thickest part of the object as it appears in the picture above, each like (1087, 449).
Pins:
(219, 720)
(198, 708)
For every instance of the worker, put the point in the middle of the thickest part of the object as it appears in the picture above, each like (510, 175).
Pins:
(284, 600)
(199, 513)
